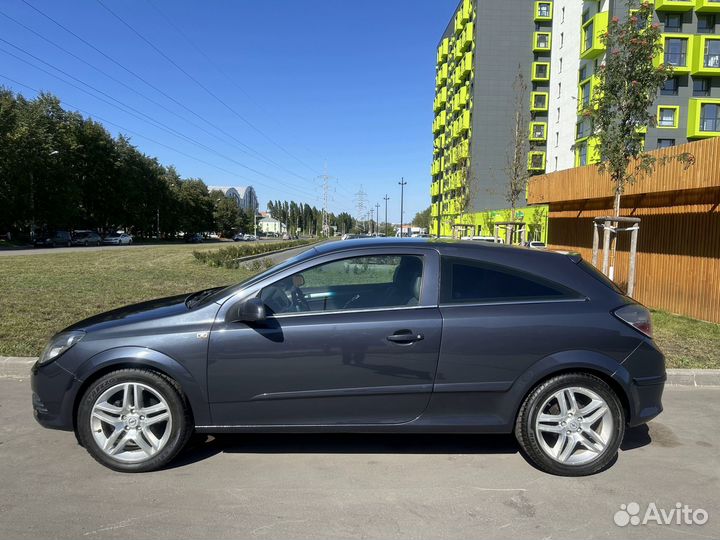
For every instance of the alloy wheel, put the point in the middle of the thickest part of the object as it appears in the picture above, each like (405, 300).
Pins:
(574, 426)
(131, 422)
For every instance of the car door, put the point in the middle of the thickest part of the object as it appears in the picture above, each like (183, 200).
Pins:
(360, 348)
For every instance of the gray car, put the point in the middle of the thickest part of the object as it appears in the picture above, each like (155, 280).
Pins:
(380, 335)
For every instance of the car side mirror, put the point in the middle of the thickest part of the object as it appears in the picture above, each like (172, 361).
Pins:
(252, 310)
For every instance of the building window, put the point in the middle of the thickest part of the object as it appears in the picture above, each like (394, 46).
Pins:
(676, 51)
(665, 143)
(670, 87)
(539, 101)
(582, 129)
(585, 94)
(562, 20)
(544, 10)
(589, 36)
(562, 38)
(542, 40)
(706, 24)
(557, 117)
(559, 89)
(541, 71)
(582, 74)
(667, 117)
(712, 53)
(710, 117)
(673, 22)
(701, 87)
(582, 154)
(557, 143)
(560, 66)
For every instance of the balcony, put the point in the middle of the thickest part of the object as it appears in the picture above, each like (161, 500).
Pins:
(463, 150)
(706, 56)
(703, 118)
(442, 75)
(536, 161)
(443, 50)
(435, 212)
(543, 11)
(674, 5)
(464, 122)
(587, 92)
(539, 102)
(538, 132)
(587, 152)
(435, 189)
(540, 71)
(463, 15)
(467, 37)
(707, 6)
(465, 66)
(440, 99)
(677, 52)
(542, 41)
(592, 45)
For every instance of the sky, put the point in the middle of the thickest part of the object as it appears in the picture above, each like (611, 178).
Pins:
(248, 92)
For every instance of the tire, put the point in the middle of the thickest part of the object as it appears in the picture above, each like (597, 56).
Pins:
(594, 439)
(136, 442)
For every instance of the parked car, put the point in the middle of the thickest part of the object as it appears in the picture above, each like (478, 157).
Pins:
(53, 239)
(535, 244)
(418, 336)
(250, 238)
(86, 238)
(117, 239)
(240, 237)
(195, 238)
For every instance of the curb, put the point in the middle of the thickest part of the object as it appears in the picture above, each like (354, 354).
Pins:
(15, 367)
(18, 367)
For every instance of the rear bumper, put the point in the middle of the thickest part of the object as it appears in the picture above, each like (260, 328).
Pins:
(646, 366)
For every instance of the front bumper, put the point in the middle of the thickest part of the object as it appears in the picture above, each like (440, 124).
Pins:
(53, 396)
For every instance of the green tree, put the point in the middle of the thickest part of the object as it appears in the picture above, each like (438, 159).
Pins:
(422, 218)
(226, 213)
(621, 104)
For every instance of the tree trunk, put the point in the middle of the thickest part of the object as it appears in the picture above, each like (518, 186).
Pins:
(613, 237)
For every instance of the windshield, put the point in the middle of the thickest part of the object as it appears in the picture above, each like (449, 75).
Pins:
(232, 289)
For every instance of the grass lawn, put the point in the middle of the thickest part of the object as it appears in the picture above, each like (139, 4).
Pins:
(41, 294)
(687, 343)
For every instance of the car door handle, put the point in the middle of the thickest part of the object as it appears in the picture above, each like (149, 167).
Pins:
(405, 337)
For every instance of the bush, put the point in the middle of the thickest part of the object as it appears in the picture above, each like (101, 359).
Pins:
(230, 257)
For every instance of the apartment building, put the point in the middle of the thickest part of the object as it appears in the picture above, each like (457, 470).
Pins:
(558, 44)
(483, 48)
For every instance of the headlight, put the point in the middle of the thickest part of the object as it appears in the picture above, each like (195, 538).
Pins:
(59, 344)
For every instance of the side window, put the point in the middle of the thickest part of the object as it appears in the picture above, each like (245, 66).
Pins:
(469, 281)
(352, 283)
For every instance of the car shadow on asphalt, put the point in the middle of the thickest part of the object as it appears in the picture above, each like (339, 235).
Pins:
(202, 447)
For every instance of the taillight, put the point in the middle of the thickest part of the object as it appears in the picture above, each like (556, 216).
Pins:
(636, 316)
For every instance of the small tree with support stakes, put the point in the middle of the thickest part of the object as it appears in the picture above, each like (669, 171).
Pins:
(619, 108)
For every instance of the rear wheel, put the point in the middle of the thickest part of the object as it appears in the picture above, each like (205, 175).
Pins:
(571, 425)
(133, 420)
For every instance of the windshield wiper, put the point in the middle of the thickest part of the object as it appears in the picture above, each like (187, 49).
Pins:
(195, 298)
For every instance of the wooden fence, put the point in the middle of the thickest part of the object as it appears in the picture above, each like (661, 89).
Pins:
(678, 263)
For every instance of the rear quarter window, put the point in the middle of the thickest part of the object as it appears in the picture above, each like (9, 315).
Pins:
(471, 281)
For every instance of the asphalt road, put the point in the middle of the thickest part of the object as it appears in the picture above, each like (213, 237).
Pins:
(356, 486)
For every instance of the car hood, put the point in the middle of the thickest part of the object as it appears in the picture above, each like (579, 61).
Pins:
(136, 313)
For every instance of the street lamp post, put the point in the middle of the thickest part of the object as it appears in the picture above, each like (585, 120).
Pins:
(386, 199)
(377, 218)
(402, 183)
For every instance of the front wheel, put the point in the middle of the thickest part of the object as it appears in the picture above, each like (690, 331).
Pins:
(571, 425)
(133, 420)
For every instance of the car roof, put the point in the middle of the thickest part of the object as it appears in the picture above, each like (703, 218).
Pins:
(440, 245)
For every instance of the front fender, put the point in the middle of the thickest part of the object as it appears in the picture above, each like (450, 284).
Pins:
(141, 357)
